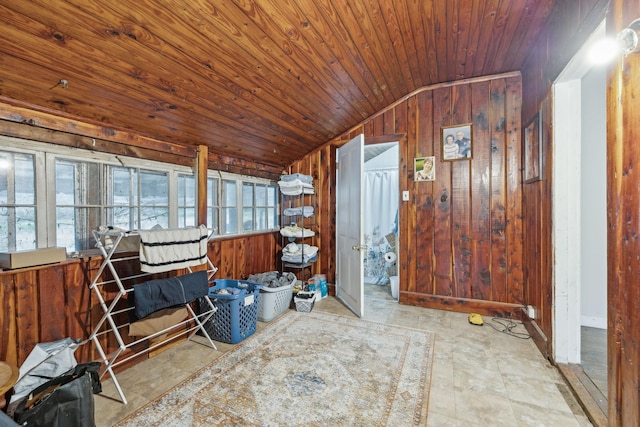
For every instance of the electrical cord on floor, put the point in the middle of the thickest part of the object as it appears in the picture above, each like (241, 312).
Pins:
(508, 326)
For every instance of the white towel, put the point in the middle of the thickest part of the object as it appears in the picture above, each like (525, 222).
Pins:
(295, 231)
(171, 249)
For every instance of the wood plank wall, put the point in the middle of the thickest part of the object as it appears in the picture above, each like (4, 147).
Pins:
(623, 219)
(47, 303)
(461, 236)
(572, 23)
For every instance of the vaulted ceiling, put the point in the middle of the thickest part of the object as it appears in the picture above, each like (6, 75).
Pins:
(261, 80)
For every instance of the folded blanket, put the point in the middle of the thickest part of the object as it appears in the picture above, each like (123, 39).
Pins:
(155, 295)
(171, 249)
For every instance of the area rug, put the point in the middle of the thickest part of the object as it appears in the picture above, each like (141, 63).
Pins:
(306, 369)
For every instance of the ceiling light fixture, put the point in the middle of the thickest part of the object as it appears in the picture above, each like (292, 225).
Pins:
(628, 38)
(606, 49)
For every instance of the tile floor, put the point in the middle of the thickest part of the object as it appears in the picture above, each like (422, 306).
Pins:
(480, 377)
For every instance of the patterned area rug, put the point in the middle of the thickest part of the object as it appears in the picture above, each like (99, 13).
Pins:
(306, 369)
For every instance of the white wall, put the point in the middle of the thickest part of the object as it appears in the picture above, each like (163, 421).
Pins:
(387, 160)
(593, 227)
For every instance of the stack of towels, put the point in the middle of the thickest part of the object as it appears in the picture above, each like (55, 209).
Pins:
(296, 184)
(294, 231)
(299, 253)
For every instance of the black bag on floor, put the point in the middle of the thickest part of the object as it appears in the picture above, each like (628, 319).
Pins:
(64, 401)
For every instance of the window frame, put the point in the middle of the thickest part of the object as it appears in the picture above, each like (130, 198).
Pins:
(45, 155)
(240, 181)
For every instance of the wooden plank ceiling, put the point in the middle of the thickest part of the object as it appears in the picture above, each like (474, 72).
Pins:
(260, 80)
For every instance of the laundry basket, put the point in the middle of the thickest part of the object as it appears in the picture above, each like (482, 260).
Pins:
(304, 301)
(237, 313)
(274, 302)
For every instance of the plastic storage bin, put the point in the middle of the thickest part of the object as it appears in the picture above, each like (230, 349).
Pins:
(237, 314)
(304, 301)
(274, 301)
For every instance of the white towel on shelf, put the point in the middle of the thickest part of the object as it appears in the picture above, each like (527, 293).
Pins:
(171, 249)
(295, 187)
(306, 211)
(295, 231)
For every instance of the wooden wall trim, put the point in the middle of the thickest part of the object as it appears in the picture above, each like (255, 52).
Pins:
(201, 183)
(21, 112)
(464, 305)
(19, 119)
(538, 336)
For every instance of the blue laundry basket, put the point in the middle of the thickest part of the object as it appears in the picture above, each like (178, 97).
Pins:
(236, 316)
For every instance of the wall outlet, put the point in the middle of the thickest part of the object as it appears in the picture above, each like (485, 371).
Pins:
(405, 196)
(531, 312)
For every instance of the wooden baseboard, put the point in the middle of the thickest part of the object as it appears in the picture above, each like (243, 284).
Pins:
(463, 305)
(538, 337)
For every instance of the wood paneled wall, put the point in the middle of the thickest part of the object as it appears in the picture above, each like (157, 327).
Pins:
(572, 23)
(47, 303)
(461, 236)
(623, 219)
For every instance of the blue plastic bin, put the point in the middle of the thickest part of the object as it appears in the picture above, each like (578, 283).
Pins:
(237, 314)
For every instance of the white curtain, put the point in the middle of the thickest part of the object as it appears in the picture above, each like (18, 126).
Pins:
(381, 203)
(380, 210)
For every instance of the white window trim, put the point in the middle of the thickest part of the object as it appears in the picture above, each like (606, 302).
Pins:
(44, 161)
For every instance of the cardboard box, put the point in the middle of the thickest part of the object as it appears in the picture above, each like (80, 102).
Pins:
(33, 257)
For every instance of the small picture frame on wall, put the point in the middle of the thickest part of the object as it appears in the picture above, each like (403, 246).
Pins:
(457, 142)
(424, 168)
(533, 149)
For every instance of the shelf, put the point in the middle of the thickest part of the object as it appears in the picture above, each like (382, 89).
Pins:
(299, 264)
(293, 209)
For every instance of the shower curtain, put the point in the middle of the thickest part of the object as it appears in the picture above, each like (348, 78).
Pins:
(380, 210)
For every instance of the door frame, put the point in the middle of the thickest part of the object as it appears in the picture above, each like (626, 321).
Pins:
(566, 205)
(400, 138)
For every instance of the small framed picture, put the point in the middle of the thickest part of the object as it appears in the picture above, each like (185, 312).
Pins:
(533, 149)
(424, 168)
(457, 142)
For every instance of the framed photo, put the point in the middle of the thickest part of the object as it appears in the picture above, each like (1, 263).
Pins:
(533, 149)
(424, 168)
(457, 142)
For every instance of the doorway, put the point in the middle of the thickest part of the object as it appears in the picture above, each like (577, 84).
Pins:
(380, 223)
(579, 217)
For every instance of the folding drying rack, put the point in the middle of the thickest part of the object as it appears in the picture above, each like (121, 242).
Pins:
(108, 323)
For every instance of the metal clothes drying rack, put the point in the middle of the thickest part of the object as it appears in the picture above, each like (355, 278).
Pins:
(110, 310)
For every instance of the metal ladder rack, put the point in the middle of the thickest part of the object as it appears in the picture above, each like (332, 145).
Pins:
(108, 324)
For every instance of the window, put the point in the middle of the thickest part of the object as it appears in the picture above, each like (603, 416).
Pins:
(186, 201)
(247, 204)
(138, 199)
(78, 203)
(56, 196)
(17, 202)
(213, 205)
(259, 206)
(229, 207)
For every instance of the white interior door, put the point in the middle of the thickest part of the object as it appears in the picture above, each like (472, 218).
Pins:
(349, 242)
